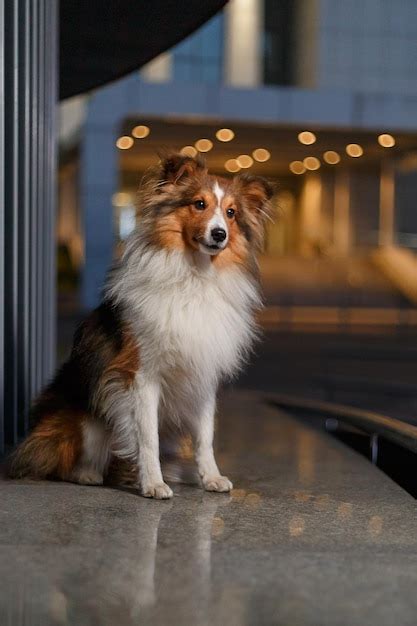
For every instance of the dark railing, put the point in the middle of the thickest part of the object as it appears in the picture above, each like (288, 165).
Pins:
(371, 422)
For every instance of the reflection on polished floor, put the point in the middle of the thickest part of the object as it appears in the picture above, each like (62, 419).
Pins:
(312, 534)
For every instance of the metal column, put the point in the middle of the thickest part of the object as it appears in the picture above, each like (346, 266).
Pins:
(28, 95)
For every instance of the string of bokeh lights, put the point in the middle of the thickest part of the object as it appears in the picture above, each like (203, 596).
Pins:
(331, 157)
(260, 155)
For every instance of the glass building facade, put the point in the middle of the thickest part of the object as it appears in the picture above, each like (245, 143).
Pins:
(199, 58)
(270, 70)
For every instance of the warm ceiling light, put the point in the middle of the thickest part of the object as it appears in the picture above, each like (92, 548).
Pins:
(120, 198)
(311, 163)
(140, 132)
(386, 141)
(124, 143)
(297, 167)
(261, 155)
(354, 150)
(189, 151)
(307, 138)
(225, 134)
(331, 157)
(244, 161)
(232, 165)
(203, 145)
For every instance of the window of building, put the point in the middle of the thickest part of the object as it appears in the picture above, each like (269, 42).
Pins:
(278, 49)
(199, 57)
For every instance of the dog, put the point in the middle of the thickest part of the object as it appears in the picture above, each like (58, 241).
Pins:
(176, 318)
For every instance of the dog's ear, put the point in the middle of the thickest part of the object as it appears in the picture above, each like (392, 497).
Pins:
(257, 189)
(176, 168)
(255, 193)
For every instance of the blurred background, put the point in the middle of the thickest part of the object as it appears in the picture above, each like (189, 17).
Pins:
(318, 96)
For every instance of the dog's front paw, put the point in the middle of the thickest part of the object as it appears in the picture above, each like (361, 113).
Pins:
(217, 483)
(159, 491)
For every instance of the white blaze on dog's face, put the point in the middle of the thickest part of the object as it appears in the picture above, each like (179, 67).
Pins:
(223, 218)
(216, 235)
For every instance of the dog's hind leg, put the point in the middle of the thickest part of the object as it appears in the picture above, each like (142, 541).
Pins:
(95, 457)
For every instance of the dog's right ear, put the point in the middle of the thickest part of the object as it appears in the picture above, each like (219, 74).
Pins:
(176, 168)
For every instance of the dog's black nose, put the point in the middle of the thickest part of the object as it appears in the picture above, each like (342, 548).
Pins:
(218, 234)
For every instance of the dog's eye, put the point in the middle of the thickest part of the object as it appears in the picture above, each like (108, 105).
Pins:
(200, 204)
(230, 212)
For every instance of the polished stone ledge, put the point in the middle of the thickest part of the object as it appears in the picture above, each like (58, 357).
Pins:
(312, 534)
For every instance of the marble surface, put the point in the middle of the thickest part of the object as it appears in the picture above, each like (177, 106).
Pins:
(312, 534)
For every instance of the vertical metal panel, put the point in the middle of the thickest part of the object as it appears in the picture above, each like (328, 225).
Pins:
(2, 222)
(40, 274)
(33, 194)
(11, 208)
(51, 167)
(23, 393)
(28, 31)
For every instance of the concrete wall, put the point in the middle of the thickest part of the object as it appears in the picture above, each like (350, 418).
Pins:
(367, 46)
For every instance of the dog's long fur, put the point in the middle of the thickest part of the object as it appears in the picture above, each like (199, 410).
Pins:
(176, 318)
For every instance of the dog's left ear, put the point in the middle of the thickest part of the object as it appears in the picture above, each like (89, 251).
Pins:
(257, 188)
(256, 193)
(176, 168)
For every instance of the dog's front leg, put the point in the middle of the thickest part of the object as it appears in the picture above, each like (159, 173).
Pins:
(146, 425)
(203, 432)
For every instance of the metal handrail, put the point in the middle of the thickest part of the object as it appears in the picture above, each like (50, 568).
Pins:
(391, 428)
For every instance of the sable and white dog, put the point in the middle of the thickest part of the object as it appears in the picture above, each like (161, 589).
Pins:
(176, 318)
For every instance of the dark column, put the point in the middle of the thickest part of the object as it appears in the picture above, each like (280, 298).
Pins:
(28, 96)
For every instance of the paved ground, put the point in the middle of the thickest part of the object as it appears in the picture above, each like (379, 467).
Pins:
(312, 534)
(361, 370)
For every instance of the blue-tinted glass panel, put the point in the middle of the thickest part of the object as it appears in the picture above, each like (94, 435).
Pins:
(200, 57)
(278, 49)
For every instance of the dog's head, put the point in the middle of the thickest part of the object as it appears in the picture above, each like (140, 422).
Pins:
(187, 208)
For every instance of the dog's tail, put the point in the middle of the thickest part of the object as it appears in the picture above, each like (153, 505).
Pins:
(50, 450)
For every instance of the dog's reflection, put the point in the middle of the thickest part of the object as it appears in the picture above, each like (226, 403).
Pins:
(161, 553)
(121, 566)
(184, 557)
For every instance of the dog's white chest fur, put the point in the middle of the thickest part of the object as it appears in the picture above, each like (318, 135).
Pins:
(189, 318)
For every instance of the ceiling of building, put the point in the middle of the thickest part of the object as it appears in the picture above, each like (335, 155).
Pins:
(282, 144)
